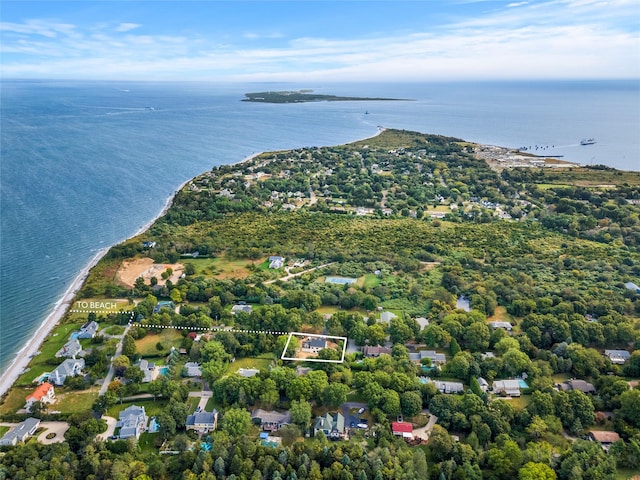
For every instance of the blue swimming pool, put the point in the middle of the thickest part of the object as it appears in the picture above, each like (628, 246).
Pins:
(163, 370)
(522, 383)
(74, 335)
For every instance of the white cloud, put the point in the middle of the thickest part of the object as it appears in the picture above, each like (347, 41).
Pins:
(126, 27)
(517, 4)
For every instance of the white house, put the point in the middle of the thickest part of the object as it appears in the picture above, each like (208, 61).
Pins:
(88, 330)
(44, 393)
(70, 349)
(510, 388)
(192, 369)
(132, 421)
(69, 368)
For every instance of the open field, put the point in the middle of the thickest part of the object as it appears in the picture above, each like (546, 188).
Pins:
(224, 267)
(261, 362)
(130, 270)
(101, 306)
(169, 337)
(74, 401)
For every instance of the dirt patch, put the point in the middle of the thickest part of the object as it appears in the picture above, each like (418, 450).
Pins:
(130, 270)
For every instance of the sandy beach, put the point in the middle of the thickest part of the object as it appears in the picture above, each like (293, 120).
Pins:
(23, 357)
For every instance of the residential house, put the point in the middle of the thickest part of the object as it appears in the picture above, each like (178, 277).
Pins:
(88, 330)
(402, 429)
(617, 356)
(270, 420)
(313, 344)
(202, 422)
(44, 393)
(70, 349)
(509, 388)
(386, 317)
(164, 304)
(376, 351)
(436, 358)
(132, 421)
(192, 369)
(486, 355)
(504, 325)
(574, 384)
(632, 286)
(148, 370)
(248, 372)
(604, 438)
(148, 244)
(276, 261)
(332, 425)
(20, 432)
(69, 368)
(449, 387)
(484, 385)
(240, 308)
(302, 371)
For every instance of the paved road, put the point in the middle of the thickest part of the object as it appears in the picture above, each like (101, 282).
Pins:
(204, 396)
(111, 373)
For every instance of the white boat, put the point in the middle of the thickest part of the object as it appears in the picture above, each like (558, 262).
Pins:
(587, 141)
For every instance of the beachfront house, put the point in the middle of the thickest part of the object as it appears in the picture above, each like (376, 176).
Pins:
(132, 421)
(270, 420)
(88, 330)
(202, 422)
(44, 393)
(69, 368)
(70, 349)
(510, 388)
(20, 432)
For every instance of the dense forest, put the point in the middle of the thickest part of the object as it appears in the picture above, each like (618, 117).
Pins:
(424, 230)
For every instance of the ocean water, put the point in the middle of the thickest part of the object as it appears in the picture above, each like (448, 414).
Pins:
(84, 165)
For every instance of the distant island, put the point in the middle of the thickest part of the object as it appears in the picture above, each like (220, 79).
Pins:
(302, 96)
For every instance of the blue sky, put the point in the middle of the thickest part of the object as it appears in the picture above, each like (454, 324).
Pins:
(428, 40)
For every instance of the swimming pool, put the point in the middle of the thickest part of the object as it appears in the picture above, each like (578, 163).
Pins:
(163, 370)
(522, 383)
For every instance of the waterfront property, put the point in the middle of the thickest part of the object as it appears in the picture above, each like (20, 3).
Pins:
(88, 330)
(70, 349)
(69, 368)
(44, 393)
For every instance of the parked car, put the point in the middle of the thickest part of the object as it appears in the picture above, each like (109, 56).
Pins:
(361, 411)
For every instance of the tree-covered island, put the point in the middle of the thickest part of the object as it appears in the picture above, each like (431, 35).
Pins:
(302, 96)
(489, 299)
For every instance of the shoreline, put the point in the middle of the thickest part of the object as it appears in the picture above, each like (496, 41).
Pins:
(23, 357)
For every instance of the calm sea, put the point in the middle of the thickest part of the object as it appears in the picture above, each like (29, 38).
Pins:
(85, 164)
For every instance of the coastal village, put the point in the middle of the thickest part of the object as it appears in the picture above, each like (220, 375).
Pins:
(407, 303)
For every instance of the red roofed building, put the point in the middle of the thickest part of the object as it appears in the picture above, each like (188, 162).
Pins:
(402, 429)
(44, 393)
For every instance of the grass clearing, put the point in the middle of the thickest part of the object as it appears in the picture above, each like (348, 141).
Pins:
(4, 430)
(371, 280)
(74, 401)
(151, 408)
(15, 399)
(168, 337)
(261, 362)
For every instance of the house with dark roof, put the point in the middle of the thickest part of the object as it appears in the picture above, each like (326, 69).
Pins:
(164, 304)
(402, 429)
(575, 384)
(332, 425)
(20, 432)
(88, 330)
(70, 349)
(617, 356)
(313, 344)
(132, 421)
(202, 422)
(369, 351)
(270, 420)
(69, 368)
(44, 393)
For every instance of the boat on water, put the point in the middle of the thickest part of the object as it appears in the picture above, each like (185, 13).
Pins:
(587, 141)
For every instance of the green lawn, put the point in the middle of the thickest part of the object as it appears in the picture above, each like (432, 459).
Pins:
(4, 430)
(149, 442)
(261, 362)
(151, 407)
(168, 337)
(371, 280)
(72, 401)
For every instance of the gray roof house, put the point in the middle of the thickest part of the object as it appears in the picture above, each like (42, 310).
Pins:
(484, 385)
(617, 356)
(276, 261)
(69, 368)
(369, 351)
(575, 384)
(436, 358)
(386, 317)
(88, 330)
(202, 422)
(332, 425)
(449, 387)
(271, 420)
(70, 349)
(148, 370)
(632, 286)
(192, 369)
(506, 325)
(132, 422)
(20, 432)
(313, 344)
(240, 308)
(510, 388)
(248, 372)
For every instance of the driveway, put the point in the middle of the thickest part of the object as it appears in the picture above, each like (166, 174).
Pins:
(111, 427)
(348, 416)
(425, 431)
(58, 430)
(107, 380)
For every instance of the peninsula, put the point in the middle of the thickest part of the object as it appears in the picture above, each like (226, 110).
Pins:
(302, 96)
(397, 307)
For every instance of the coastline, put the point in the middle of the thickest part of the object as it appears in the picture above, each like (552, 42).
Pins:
(23, 357)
